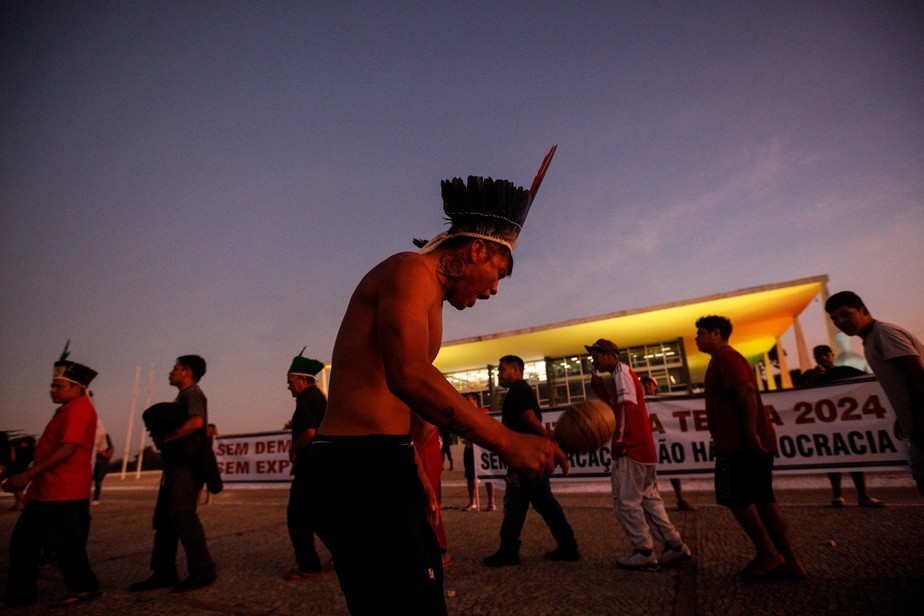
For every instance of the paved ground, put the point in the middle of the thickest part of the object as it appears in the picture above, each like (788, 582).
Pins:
(861, 561)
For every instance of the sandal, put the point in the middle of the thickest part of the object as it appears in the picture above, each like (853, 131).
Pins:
(875, 503)
(73, 598)
(839, 502)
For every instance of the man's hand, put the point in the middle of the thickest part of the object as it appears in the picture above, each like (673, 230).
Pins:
(755, 446)
(433, 505)
(532, 455)
(16, 483)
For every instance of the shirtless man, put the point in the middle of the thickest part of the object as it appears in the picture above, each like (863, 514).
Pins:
(368, 504)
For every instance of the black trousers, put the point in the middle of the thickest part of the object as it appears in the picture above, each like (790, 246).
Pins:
(368, 507)
(62, 527)
(300, 530)
(176, 521)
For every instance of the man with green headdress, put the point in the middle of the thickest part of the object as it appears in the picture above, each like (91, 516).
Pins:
(310, 405)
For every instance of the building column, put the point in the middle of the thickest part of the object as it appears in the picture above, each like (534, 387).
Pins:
(785, 377)
(768, 372)
(805, 361)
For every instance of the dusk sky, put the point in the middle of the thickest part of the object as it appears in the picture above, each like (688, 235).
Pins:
(216, 177)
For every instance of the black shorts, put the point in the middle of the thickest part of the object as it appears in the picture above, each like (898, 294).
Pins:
(743, 479)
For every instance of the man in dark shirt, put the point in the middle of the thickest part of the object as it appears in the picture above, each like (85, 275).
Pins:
(521, 414)
(826, 372)
(175, 517)
(310, 405)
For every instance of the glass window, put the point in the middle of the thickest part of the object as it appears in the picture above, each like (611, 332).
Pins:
(662, 361)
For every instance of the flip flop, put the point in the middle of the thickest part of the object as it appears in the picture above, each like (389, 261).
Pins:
(875, 503)
(73, 598)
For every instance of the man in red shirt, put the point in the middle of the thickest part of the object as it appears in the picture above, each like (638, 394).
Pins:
(745, 445)
(636, 500)
(57, 511)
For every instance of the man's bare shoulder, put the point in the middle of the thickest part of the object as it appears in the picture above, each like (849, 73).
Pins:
(404, 269)
(401, 261)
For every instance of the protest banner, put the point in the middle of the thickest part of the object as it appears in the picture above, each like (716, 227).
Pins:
(847, 426)
(254, 458)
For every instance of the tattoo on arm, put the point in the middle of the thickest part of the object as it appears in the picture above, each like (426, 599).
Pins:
(453, 423)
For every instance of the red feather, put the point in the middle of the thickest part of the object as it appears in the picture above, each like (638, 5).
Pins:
(541, 174)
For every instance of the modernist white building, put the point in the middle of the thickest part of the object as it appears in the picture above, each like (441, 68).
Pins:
(657, 341)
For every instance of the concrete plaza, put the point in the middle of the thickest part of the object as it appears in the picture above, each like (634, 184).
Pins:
(860, 561)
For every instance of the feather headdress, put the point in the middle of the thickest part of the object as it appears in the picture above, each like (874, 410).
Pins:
(486, 208)
(304, 366)
(72, 371)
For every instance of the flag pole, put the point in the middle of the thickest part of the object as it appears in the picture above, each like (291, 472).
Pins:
(131, 417)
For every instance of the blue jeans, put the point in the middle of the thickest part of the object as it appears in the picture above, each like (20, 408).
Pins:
(99, 473)
(517, 499)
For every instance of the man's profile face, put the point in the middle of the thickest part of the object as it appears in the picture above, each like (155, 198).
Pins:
(296, 384)
(63, 391)
(508, 374)
(176, 375)
(480, 280)
(852, 321)
(650, 386)
(707, 341)
(604, 362)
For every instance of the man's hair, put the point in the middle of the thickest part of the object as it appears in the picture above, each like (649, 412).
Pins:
(713, 322)
(844, 298)
(462, 241)
(513, 359)
(472, 396)
(821, 349)
(647, 379)
(195, 364)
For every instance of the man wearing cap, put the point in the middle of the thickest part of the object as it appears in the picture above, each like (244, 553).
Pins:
(367, 503)
(57, 512)
(745, 445)
(310, 405)
(175, 517)
(633, 474)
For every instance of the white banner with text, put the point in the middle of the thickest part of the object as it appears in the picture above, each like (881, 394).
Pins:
(843, 427)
